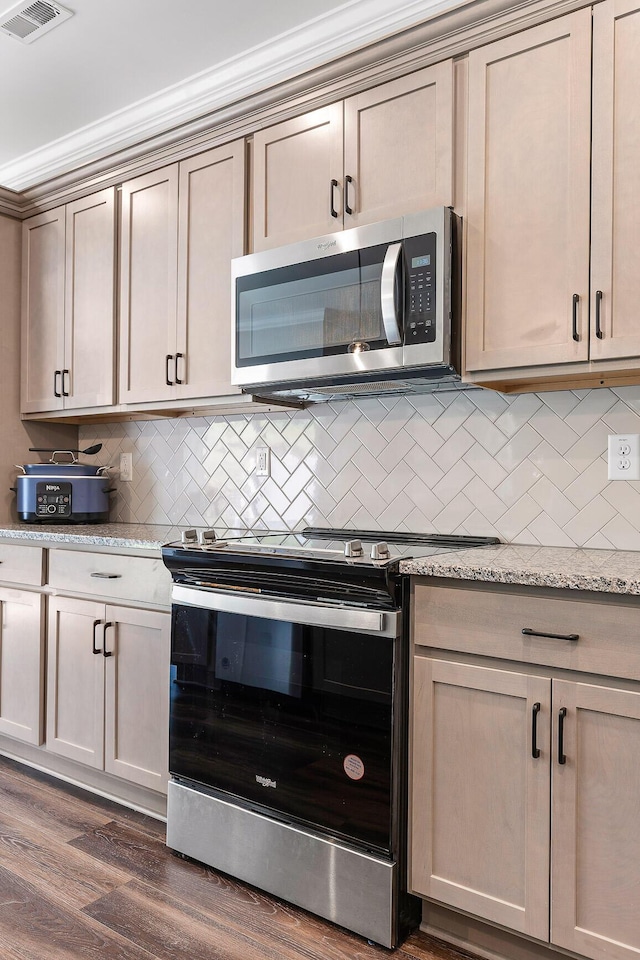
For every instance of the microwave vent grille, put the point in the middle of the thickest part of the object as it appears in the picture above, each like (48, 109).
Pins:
(386, 386)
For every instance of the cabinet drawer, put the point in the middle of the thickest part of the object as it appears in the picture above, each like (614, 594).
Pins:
(489, 622)
(140, 579)
(21, 564)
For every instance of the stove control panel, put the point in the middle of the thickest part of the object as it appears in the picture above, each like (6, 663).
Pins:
(53, 499)
(189, 536)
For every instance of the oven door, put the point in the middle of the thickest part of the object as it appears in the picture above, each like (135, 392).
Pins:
(288, 706)
(321, 308)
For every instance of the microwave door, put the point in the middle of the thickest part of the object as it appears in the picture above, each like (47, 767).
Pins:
(332, 316)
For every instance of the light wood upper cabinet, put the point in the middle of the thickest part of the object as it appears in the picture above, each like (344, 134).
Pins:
(398, 146)
(211, 233)
(68, 306)
(296, 179)
(616, 180)
(148, 285)
(528, 197)
(43, 274)
(377, 155)
(480, 806)
(181, 226)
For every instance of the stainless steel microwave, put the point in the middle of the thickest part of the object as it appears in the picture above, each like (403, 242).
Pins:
(365, 311)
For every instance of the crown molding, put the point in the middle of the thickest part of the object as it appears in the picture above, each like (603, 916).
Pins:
(326, 38)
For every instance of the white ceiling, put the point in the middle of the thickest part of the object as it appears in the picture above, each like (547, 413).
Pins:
(121, 70)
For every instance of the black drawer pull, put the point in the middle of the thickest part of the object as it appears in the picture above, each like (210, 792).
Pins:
(106, 576)
(599, 333)
(95, 624)
(334, 212)
(105, 652)
(56, 374)
(528, 632)
(65, 373)
(167, 361)
(179, 356)
(348, 209)
(535, 750)
(574, 316)
(561, 754)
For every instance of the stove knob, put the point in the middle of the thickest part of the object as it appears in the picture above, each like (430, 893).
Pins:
(189, 536)
(207, 537)
(353, 548)
(380, 551)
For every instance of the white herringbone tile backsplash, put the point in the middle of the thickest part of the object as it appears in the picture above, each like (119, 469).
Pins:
(530, 468)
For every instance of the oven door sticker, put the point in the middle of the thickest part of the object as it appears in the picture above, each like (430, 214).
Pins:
(353, 767)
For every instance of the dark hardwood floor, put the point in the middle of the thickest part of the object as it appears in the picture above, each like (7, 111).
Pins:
(83, 877)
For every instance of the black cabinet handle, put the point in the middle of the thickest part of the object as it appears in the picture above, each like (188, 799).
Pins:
(599, 333)
(56, 392)
(95, 624)
(105, 652)
(334, 212)
(561, 754)
(106, 576)
(65, 393)
(535, 750)
(179, 356)
(528, 632)
(347, 181)
(168, 360)
(576, 301)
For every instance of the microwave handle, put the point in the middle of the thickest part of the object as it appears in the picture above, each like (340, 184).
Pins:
(388, 294)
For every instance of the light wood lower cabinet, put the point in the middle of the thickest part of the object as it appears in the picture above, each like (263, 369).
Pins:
(108, 688)
(480, 800)
(502, 761)
(21, 664)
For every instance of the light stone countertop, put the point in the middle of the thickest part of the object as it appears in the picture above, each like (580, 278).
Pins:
(132, 537)
(603, 571)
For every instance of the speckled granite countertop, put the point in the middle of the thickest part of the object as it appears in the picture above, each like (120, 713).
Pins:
(604, 571)
(127, 536)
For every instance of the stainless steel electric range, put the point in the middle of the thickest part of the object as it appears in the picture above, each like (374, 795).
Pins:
(289, 703)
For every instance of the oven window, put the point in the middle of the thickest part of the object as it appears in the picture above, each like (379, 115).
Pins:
(312, 309)
(294, 718)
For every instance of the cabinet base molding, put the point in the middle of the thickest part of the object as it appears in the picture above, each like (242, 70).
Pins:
(579, 380)
(94, 781)
(475, 936)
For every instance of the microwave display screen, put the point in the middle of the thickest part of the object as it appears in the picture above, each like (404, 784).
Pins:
(421, 261)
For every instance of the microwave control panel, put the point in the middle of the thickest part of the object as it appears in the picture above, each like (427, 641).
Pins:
(420, 291)
(53, 499)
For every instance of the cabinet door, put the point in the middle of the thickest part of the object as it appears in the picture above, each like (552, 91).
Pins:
(480, 801)
(595, 840)
(137, 696)
(21, 665)
(616, 180)
(398, 147)
(211, 233)
(149, 251)
(90, 301)
(42, 347)
(294, 164)
(75, 680)
(528, 197)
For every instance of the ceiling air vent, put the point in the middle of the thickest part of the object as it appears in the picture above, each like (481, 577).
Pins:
(29, 21)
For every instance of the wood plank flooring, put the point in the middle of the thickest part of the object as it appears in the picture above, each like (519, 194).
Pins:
(82, 877)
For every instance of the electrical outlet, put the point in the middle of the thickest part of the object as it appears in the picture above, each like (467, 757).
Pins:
(624, 456)
(263, 461)
(126, 467)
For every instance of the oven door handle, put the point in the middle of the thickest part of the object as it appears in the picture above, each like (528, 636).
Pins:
(381, 623)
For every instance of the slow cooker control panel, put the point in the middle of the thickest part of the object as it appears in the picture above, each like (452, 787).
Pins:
(53, 499)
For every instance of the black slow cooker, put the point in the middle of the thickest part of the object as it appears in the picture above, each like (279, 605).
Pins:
(63, 491)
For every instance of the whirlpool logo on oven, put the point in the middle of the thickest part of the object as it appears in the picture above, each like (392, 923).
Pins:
(266, 782)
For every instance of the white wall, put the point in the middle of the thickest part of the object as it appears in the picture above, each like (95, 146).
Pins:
(529, 468)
